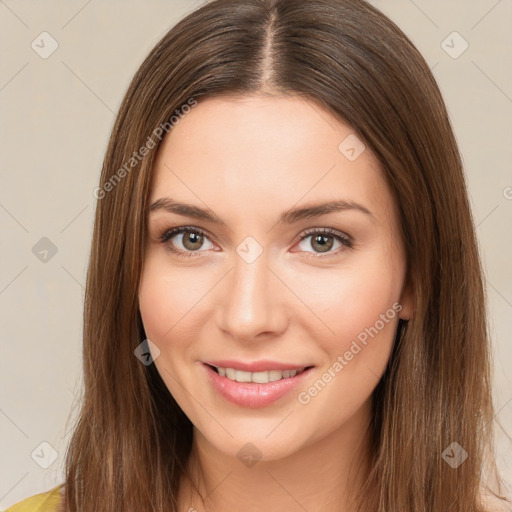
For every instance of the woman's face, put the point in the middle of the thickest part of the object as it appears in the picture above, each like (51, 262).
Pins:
(270, 275)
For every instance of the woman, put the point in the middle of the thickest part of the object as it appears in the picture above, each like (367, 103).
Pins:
(284, 306)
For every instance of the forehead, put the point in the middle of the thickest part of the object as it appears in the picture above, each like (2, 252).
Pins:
(256, 152)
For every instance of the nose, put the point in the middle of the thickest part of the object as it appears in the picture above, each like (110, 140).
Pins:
(251, 301)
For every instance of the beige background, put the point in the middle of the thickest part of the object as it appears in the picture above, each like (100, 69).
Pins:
(56, 116)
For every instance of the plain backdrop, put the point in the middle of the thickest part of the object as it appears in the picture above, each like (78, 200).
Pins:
(56, 115)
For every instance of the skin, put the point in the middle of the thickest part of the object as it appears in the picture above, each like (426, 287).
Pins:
(248, 159)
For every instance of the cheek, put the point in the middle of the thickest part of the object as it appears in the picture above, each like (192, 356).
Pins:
(166, 301)
(157, 305)
(349, 298)
(358, 308)
(362, 312)
(365, 304)
(167, 298)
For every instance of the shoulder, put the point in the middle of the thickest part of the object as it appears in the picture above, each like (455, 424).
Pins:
(43, 502)
(498, 506)
(492, 503)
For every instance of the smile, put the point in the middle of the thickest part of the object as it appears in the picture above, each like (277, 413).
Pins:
(257, 377)
(255, 389)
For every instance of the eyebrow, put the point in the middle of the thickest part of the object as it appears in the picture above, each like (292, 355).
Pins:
(288, 217)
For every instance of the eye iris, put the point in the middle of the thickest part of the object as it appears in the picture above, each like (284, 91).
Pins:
(193, 240)
(321, 239)
(196, 239)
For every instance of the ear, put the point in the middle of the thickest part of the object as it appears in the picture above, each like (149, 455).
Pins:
(406, 301)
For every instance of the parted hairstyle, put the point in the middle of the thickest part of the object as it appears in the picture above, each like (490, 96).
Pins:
(131, 440)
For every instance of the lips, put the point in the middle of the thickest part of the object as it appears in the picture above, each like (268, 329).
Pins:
(251, 394)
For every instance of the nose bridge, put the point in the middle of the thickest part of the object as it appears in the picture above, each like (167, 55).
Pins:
(250, 302)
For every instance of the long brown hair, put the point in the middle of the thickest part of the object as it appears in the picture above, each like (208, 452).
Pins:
(131, 442)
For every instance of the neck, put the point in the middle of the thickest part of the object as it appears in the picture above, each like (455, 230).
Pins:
(325, 475)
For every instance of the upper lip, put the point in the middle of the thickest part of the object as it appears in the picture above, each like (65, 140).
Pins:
(256, 366)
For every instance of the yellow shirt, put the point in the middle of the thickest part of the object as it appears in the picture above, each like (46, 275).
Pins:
(43, 502)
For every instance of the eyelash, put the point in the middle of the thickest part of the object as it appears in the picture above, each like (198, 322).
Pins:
(165, 237)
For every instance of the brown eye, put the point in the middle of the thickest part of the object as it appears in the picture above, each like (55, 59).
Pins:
(322, 243)
(192, 241)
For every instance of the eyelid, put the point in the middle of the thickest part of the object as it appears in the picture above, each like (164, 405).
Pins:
(328, 231)
(345, 239)
(167, 234)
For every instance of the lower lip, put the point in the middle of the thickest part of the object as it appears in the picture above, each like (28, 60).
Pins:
(251, 394)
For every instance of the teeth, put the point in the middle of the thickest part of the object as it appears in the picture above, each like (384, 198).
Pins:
(257, 377)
